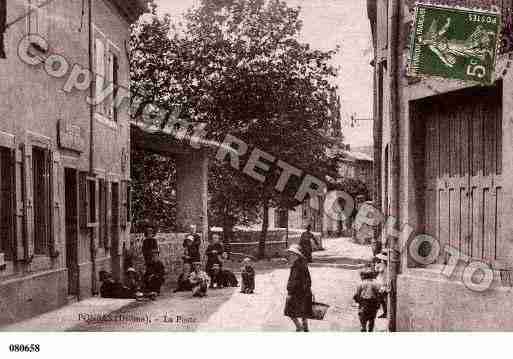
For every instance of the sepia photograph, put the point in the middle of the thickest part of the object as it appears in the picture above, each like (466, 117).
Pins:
(272, 166)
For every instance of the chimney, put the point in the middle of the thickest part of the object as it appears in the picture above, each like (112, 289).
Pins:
(348, 147)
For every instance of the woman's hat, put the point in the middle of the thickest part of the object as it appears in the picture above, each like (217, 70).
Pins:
(196, 263)
(246, 260)
(131, 270)
(294, 248)
(382, 256)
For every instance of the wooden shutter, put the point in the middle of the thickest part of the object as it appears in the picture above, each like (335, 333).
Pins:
(9, 187)
(84, 200)
(108, 210)
(107, 104)
(20, 247)
(28, 203)
(123, 208)
(57, 178)
(94, 223)
(100, 66)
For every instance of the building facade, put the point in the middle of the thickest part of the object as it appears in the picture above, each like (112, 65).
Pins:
(64, 160)
(357, 165)
(446, 155)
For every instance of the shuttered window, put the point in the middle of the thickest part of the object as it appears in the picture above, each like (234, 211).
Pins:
(104, 233)
(100, 78)
(7, 203)
(38, 17)
(106, 67)
(41, 180)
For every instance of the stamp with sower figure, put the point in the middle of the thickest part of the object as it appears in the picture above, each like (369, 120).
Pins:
(454, 43)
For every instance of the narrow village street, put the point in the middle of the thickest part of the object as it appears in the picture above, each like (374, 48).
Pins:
(334, 277)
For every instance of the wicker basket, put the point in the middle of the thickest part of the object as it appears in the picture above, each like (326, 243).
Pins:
(319, 310)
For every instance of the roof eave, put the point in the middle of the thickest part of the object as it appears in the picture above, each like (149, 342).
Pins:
(131, 9)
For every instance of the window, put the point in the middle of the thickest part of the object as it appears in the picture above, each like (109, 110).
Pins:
(100, 72)
(107, 80)
(7, 191)
(41, 170)
(37, 19)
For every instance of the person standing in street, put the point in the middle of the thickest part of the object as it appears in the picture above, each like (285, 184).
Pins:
(248, 277)
(305, 242)
(150, 243)
(191, 246)
(214, 253)
(298, 304)
(367, 296)
(382, 280)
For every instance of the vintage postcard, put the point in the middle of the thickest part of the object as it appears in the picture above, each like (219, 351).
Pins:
(255, 166)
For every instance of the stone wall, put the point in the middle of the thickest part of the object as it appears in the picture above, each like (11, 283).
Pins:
(427, 301)
(171, 252)
(277, 242)
(245, 244)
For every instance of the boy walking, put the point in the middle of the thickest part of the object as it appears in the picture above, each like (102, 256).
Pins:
(367, 296)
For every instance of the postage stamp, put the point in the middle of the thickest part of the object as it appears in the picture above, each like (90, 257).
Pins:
(454, 43)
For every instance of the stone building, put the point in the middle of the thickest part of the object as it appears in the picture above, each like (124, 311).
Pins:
(64, 206)
(445, 158)
(357, 165)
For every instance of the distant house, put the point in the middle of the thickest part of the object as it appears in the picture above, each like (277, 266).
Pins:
(357, 165)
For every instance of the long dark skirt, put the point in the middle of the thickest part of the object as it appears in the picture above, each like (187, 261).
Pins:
(299, 305)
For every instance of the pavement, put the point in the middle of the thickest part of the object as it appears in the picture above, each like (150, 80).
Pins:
(334, 278)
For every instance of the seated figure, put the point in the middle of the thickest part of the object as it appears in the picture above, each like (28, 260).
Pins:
(184, 283)
(199, 281)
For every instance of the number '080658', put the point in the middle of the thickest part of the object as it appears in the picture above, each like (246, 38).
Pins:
(24, 348)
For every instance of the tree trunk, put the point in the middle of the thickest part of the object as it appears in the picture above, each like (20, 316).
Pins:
(227, 229)
(227, 234)
(263, 233)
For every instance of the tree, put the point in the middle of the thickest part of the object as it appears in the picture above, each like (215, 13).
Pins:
(239, 67)
(153, 190)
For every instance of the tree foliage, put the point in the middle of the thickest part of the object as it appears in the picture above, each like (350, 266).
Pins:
(239, 67)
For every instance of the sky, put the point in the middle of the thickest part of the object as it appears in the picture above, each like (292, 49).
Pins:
(326, 24)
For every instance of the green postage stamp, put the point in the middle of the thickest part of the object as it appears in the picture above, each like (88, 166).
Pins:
(454, 43)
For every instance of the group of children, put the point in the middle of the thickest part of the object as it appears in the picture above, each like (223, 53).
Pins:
(135, 286)
(198, 281)
(372, 291)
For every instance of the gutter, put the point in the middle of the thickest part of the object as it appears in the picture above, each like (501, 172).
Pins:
(91, 91)
(91, 145)
(393, 253)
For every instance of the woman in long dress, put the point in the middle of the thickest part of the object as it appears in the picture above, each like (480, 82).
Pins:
(299, 290)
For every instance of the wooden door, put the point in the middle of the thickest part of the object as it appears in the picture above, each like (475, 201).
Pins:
(463, 166)
(71, 228)
(114, 228)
